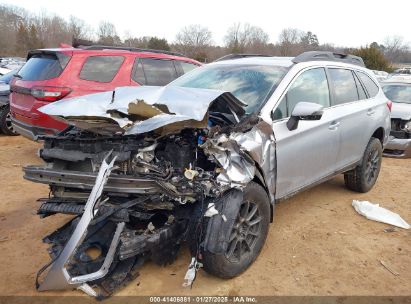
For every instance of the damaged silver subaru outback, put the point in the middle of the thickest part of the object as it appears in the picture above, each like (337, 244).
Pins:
(202, 160)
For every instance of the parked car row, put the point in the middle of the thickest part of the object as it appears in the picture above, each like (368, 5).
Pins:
(8, 64)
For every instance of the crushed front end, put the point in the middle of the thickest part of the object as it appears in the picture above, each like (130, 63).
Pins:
(399, 144)
(138, 190)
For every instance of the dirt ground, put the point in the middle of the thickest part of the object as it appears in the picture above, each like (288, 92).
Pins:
(317, 245)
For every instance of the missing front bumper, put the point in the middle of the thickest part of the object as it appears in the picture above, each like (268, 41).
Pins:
(398, 148)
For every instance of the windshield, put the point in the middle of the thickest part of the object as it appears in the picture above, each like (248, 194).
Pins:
(7, 77)
(252, 84)
(398, 93)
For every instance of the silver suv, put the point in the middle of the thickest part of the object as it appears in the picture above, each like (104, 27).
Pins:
(202, 160)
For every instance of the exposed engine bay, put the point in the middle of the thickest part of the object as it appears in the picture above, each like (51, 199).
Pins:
(144, 178)
(400, 128)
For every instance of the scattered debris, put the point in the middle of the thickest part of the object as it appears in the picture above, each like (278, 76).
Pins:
(211, 210)
(388, 268)
(4, 238)
(376, 213)
(191, 272)
(390, 229)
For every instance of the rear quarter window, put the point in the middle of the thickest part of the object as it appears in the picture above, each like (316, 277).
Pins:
(101, 68)
(41, 67)
(370, 85)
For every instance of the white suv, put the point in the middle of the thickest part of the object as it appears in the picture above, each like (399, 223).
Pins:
(203, 160)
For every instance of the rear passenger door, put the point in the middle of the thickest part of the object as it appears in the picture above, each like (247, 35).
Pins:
(153, 72)
(349, 102)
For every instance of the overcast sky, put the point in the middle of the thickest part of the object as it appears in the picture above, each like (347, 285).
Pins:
(344, 23)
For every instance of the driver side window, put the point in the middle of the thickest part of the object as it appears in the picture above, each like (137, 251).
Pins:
(310, 86)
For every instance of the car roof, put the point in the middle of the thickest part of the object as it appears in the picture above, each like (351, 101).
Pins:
(71, 50)
(258, 60)
(282, 61)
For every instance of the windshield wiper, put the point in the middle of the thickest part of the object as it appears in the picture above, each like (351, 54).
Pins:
(18, 76)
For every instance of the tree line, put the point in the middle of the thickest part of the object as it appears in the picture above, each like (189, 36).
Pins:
(21, 31)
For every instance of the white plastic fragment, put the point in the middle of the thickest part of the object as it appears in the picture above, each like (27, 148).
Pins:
(211, 210)
(224, 218)
(191, 272)
(88, 290)
(376, 213)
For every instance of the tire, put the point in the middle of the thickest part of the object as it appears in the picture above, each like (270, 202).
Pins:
(5, 122)
(363, 177)
(247, 238)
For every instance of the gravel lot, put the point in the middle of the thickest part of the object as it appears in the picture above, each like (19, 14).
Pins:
(317, 245)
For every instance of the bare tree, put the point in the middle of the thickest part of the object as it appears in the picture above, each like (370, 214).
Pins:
(289, 40)
(79, 29)
(107, 34)
(245, 37)
(192, 41)
(394, 47)
(140, 42)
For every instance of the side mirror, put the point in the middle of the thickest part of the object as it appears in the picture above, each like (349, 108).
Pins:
(304, 111)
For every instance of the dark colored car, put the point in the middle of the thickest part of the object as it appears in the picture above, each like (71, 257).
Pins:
(5, 120)
(53, 74)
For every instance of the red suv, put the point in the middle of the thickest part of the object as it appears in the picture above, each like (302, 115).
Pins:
(53, 74)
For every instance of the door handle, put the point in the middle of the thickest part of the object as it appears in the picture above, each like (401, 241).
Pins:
(370, 111)
(334, 125)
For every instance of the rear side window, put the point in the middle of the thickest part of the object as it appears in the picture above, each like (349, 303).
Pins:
(370, 85)
(41, 67)
(154, 72)
(187, 67)
(101, 68)
(345, 89)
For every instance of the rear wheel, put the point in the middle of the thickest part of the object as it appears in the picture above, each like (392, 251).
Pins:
(364, 176)
(5, 121)
(247, 236)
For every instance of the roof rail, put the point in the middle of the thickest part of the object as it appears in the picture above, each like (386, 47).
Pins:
(131, 49)
(236, 56)
(328, 56)
(88, 45)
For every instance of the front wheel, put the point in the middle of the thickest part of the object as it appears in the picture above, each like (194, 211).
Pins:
(363, 177)
(247, 236)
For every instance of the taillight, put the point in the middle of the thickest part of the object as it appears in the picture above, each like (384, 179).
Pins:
(49, 94)
(389, 105)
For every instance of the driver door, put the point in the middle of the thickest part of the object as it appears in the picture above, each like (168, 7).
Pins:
(308, 153)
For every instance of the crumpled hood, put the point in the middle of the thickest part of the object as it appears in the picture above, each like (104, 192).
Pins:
(401, 111)
(135, 110)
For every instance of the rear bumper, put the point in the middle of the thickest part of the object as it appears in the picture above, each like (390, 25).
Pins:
(31, 132)
(398, 148)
